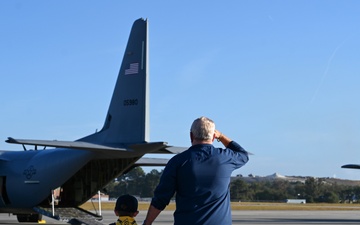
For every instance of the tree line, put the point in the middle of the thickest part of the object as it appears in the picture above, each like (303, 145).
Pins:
(314, 190)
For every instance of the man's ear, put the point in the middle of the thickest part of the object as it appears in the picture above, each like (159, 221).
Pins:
(191, 137)
(213, 138)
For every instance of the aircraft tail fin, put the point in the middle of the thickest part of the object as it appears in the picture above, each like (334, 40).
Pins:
(127, 119)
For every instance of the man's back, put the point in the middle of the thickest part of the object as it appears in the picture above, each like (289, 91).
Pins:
(200, 177)
(202, 183)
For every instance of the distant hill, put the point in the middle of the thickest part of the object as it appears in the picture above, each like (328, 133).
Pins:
(276, 176)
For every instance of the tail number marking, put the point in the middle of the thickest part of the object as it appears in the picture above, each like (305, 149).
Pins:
(130, 102)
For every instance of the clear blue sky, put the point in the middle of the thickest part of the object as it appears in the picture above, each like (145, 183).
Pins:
(280, 77)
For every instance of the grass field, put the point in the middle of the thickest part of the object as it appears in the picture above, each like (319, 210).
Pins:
(242, 206)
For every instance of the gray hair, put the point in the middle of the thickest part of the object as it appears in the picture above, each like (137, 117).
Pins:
(203, 128)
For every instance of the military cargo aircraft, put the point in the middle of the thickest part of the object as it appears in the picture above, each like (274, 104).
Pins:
(78, 169)
(351, 166)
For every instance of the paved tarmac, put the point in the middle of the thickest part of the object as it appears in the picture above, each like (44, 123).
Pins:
(239, 218)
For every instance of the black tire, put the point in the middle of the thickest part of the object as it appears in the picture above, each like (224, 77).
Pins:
(33, 218)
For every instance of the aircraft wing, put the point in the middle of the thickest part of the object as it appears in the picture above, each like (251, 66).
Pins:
(63, 144)
(351, 166)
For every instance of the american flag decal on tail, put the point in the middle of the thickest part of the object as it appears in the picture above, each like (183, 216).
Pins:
(133, 69)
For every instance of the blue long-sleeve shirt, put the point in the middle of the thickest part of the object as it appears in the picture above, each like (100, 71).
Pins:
(200, 177)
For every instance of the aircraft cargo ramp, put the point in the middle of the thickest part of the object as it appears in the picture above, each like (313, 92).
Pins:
(75, 216)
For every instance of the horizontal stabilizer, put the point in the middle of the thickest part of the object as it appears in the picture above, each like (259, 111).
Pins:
(151, 162)
(62, 144)
(174, 150)
(148, 162)
(141, 148)
(151, 147)
(157, 147)
(351, 166)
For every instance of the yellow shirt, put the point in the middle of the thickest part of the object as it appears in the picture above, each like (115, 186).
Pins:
(126, 220)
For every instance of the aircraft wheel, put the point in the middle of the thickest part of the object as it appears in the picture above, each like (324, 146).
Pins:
(29, 218)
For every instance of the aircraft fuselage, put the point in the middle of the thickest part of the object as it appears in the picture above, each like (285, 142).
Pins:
(27, 178)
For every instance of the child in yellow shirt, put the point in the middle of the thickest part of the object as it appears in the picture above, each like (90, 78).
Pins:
(126, 209)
